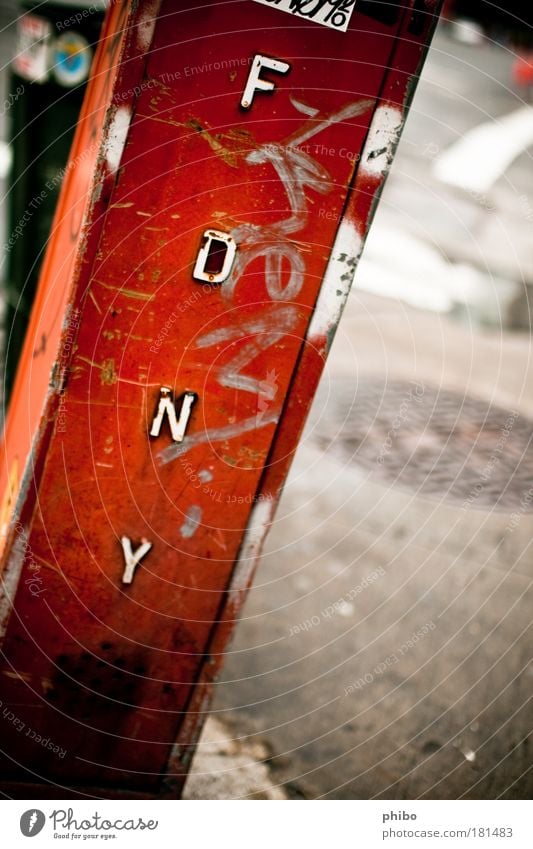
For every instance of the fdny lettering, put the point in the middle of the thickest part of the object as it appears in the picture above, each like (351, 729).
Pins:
(166, 407)
(133, 558)
(202, 270)
(256, 83)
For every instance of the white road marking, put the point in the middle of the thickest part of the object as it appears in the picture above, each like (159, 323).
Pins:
(416, 273)
(484, 154)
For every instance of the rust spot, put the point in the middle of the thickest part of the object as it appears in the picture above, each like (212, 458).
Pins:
(242, 142)
(107, 374)
(107, 370)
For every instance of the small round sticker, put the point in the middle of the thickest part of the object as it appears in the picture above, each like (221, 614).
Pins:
(72, 59)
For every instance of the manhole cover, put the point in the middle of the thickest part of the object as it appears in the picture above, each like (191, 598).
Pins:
(431, 440)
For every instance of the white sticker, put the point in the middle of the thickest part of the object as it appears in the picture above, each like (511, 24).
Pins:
(33, 41)
(335, 14)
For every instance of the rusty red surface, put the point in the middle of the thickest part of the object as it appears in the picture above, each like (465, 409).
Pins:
(115, 676)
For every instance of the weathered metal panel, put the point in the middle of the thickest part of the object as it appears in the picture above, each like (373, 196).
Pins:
(108, 656)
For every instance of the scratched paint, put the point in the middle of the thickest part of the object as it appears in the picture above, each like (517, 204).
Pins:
(116, 137)
(193, 520)
(299, 172)
(220, 434)
(337, 281)
(11, 577)
(382, 140)
(258, 523)
(263, 332)
(304, 108)
(146, 23)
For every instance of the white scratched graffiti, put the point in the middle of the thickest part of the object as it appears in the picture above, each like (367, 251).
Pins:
(284, 268)
(297, 171)
(262, 334)
(217, 434)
